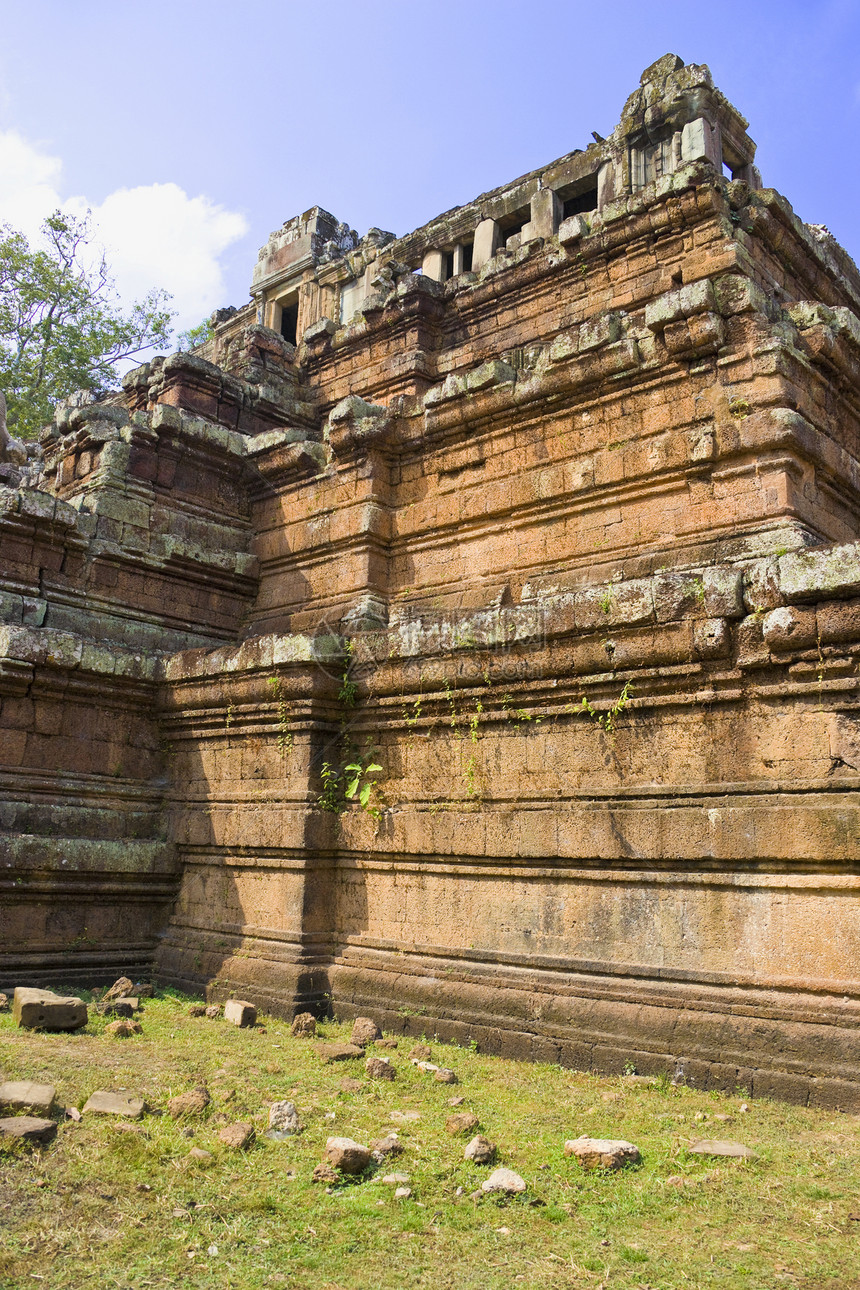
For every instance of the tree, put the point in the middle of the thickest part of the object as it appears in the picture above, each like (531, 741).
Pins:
(62, 328)
(194, 336)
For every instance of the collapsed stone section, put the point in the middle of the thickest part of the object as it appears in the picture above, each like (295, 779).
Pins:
(475, 646)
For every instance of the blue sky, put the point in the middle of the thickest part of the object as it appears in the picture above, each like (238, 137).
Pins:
(193, 128)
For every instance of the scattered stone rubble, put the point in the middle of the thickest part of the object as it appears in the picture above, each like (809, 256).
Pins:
(344, 1157)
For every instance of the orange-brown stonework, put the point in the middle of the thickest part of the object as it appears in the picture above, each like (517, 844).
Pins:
(560, 535)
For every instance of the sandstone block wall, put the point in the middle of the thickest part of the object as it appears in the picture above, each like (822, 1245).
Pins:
(481, 650)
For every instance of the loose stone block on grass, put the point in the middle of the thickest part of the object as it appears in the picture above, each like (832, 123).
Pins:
(104, 1102)
(338, 1052)
(124, 1028)
(304, 1026)
(383, 1148)
(480, 1150)
(380, 1068)
(504, 1180)
(194, 1102)
(239, 1013)
(238, 1137)
(284, 1121)
(120, 989)
(462, 1122)
(364, 1031)
(34, 1009)
(348, 1156)
(27, 1128)
(715, 1147)
(25, 1095)
(602, 1153)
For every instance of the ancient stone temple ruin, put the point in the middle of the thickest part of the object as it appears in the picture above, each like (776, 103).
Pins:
(469, 632)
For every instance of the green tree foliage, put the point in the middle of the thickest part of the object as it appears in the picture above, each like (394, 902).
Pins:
(195, 336)
(61, 326)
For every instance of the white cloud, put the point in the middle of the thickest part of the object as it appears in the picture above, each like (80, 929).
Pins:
(28, 183)
(155, 236)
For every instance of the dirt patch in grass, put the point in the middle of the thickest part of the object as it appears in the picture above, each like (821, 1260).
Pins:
(103, 1207)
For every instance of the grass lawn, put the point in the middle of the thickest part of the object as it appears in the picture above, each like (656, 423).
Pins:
(105, 1208)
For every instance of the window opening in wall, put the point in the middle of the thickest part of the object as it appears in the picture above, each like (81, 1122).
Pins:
(467, 256)
(448, 266)
(290, 322)
(513, 224)
(581, 203)
(727, 171)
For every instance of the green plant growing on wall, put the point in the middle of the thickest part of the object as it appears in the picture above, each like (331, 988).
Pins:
(360, 783)
(329, 796)
(285, 735)
(518, 715)
(472, 763)
(606, 720)
(354, 777)
(348, 688)
(412, 718)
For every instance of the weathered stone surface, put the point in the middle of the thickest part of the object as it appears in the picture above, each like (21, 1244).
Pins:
(504, 1180)
(27, 1128)
(420, 1053)
(104, 1102)
(25, 1095)
(35, 1009)
(383, 1148)
(817, 574)
(395, 1180)
(304, 1025)
(461, 1122)
(444, 1076)
(124, 1028)
(602, 1153)
(380, 1068)
(239, 1013)
(213, 1011)
(193, 1102)
(238, 1137)
(338, 1052)
(197, 1010)
(200, 1156)
(481, 1151)
(347, 1155)
(714, 1147)
(284, 1121)
(324, 1173)
(120, 989)
(119, 1008)
(364, 1031)
(790, 628)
